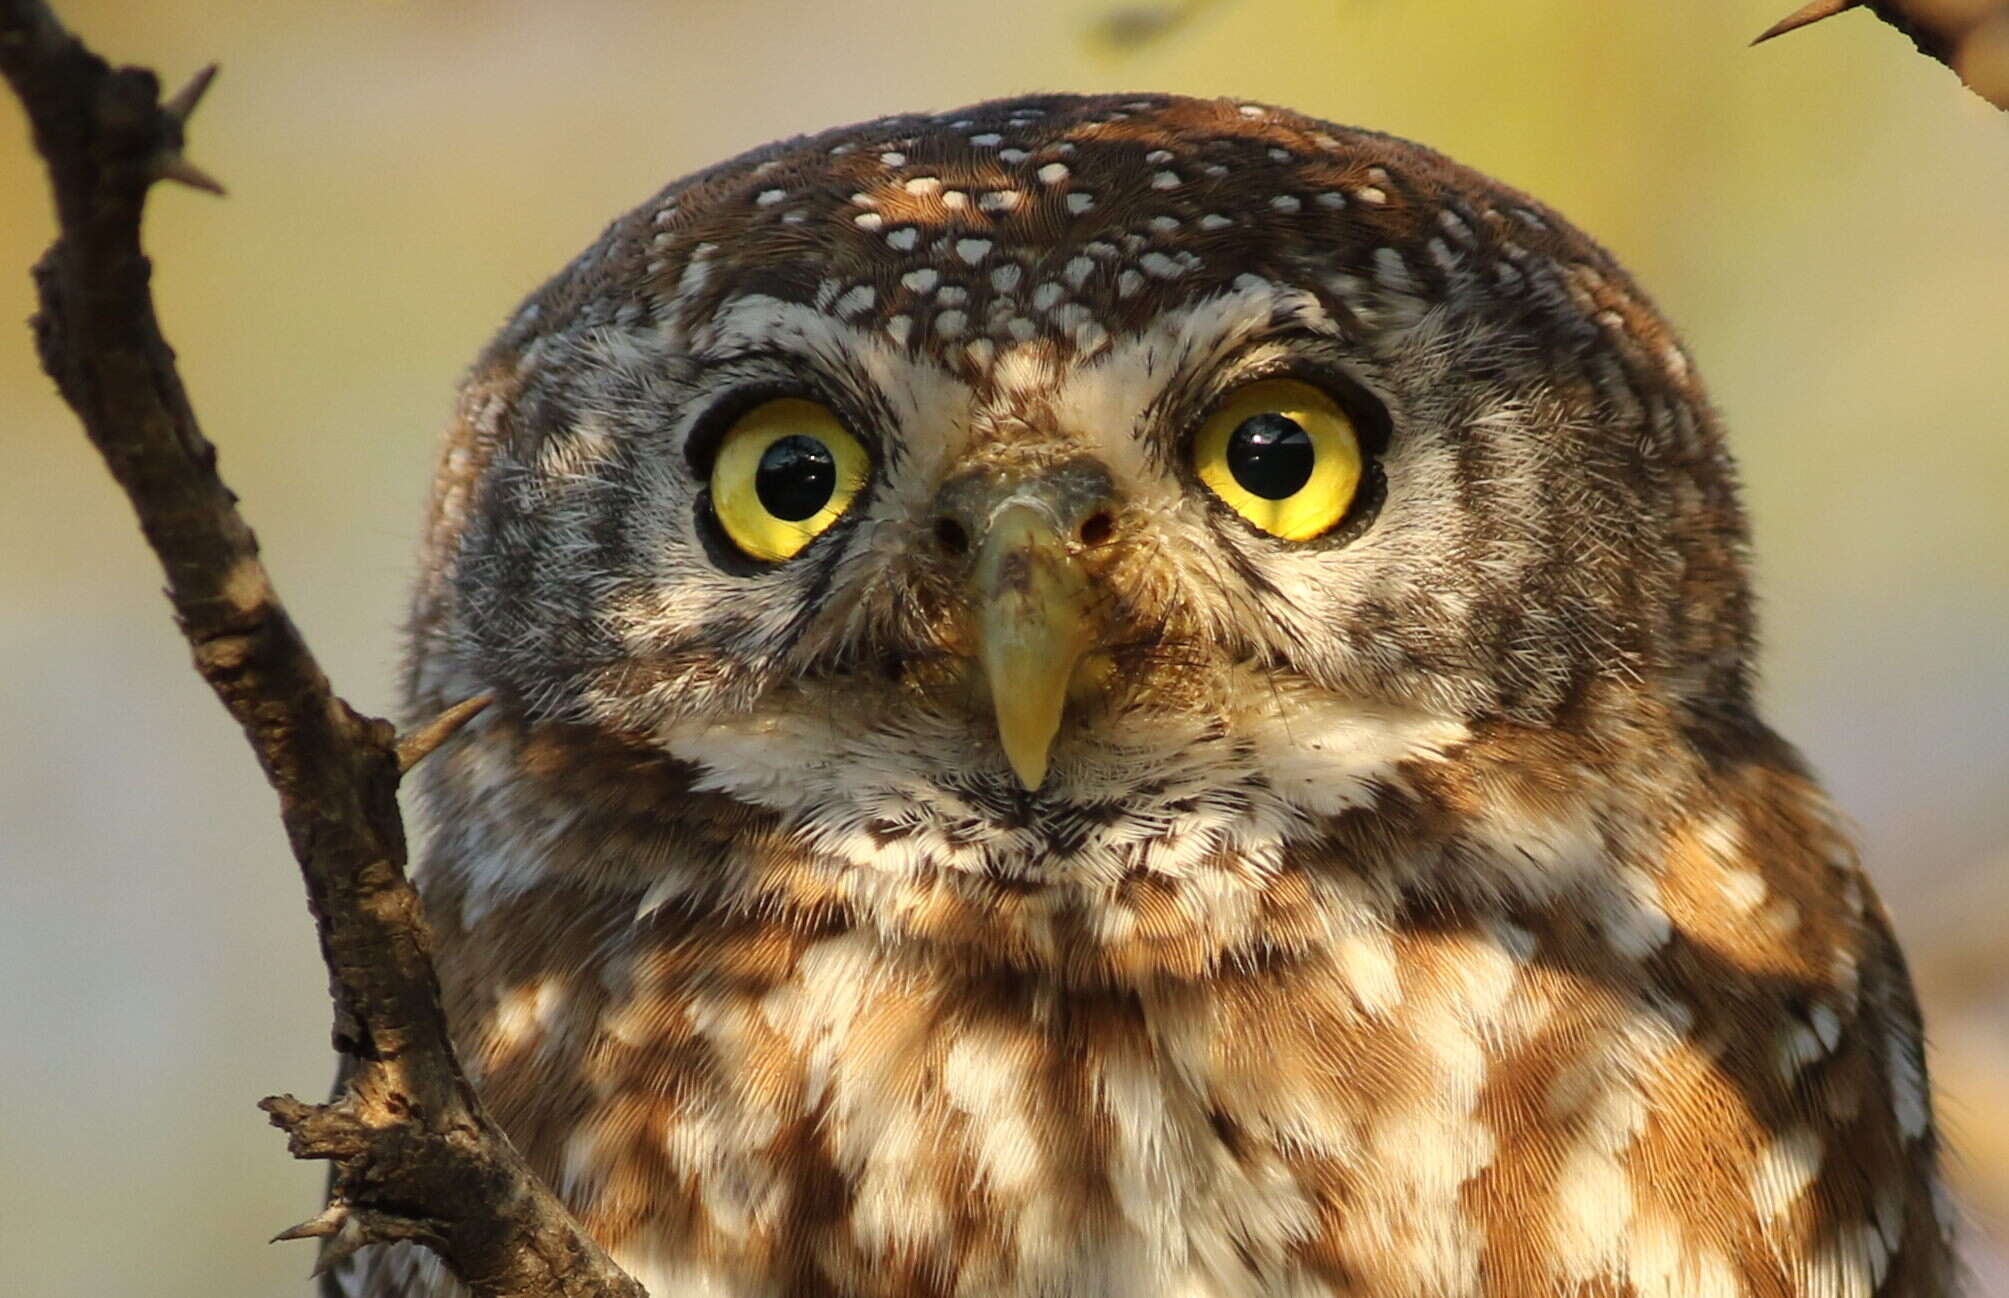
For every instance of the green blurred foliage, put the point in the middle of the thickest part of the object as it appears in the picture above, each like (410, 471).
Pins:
(1824, 217)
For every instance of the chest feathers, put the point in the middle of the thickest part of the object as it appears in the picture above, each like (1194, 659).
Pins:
(1461, 1036)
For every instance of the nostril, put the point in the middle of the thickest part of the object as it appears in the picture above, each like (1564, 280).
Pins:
(1097, 528)
(949, 534)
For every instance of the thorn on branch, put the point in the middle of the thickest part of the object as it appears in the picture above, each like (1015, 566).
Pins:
(418, 743)
(320, 1226)
(359, 1226)
(171, 164)
(1806, 15)
(182, 103)
(175, 167)
(343, 1230)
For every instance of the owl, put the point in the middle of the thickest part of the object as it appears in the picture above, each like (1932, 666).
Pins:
(1131, 696)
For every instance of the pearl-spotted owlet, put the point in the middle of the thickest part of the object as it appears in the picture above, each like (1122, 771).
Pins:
(1131, 696)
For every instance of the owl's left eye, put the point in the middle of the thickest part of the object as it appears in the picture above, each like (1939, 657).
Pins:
(785, 471)
(1283, 455)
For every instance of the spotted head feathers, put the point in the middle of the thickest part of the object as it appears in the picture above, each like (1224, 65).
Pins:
(1054, 278)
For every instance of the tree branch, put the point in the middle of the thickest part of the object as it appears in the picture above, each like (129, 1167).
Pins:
(1969, 36)
(416, 1156)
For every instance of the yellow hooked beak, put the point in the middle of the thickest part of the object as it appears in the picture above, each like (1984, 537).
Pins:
(1033, 628)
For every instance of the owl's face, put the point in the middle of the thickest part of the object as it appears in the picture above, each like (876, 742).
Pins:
(1077, 453)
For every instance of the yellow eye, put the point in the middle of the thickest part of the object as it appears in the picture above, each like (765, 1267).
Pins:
(785, 472)
(1283, 455)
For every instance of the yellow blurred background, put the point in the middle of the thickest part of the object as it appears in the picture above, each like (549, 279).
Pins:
(1826, 218)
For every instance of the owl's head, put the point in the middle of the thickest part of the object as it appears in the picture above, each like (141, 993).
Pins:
(1086, 452)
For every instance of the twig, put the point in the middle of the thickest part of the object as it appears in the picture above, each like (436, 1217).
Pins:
(1971, 38)
(416, 1156)
(418, 743)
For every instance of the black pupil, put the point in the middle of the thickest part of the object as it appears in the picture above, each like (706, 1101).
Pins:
(1270, 456)
(795, 478)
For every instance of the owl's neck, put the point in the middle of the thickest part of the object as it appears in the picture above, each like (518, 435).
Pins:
(1187, 845)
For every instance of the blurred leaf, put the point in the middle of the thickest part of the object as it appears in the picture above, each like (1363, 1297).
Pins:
(1135, 26)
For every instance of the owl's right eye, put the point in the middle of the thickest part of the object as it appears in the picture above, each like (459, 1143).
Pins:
(785, 471)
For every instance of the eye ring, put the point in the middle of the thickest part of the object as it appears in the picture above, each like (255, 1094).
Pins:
(1284, 455)
(784, 473)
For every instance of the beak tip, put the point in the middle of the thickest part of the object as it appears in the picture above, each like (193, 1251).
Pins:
(1026, 755)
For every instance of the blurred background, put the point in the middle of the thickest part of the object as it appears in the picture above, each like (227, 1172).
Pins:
(1826, 218)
